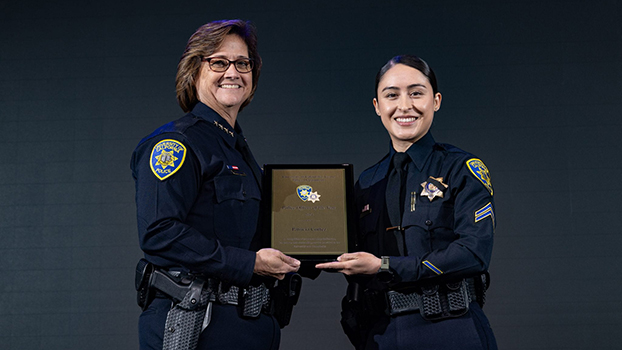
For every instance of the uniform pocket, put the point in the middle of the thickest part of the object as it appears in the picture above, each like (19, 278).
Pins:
(236, 210)
(430, 216)
(232, 187)
(442, 216)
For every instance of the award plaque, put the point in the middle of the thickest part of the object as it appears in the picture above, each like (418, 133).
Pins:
(308, 210)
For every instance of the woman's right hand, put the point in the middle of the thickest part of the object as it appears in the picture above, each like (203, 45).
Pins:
(273, 263)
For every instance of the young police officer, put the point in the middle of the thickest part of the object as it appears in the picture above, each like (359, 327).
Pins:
(425, 230)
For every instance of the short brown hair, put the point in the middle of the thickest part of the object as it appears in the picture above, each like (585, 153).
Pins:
(204, 42)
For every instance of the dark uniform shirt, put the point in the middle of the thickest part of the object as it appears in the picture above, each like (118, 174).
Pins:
(448, 220)
(197, 198)
(198, 201)
(448, 232)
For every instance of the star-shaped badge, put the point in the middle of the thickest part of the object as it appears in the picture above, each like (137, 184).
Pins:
(166, 159)
(313, 197)
(433, 188)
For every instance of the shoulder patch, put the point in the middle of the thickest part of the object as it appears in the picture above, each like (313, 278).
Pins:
(166, 158)
(479, 170)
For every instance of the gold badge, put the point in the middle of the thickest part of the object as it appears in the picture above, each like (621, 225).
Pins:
(433, 188)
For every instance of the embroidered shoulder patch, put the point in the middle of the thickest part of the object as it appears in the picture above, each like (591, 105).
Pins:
(167, 157)
(480, 171)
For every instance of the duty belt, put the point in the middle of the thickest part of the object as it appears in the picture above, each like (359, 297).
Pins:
(254, 299)
(192, 298)
(431, 300)
(435, 302)
(175, 285)
(188, 291)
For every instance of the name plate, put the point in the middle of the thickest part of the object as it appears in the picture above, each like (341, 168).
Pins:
(308, 209)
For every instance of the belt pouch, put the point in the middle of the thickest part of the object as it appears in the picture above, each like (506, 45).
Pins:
(457, 298)
(444, 301)
(255, 297)
(402, 302)
(145, 293)
(430, 303)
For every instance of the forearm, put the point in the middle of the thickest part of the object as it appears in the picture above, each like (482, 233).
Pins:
(174, 244)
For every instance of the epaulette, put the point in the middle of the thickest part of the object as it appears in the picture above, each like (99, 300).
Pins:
(178, 126)
(450, 148)
(455, 153)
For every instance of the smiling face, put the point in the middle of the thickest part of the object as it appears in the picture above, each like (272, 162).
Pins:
(406, 104)
(225, 92)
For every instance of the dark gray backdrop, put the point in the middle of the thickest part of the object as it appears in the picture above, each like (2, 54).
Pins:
(534, 88)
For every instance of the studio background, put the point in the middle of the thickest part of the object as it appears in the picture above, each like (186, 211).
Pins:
(534, 88)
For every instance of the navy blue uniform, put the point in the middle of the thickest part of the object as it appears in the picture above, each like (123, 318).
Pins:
(448, 236)
(198, 204)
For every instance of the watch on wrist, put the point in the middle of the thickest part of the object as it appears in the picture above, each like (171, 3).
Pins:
(384, 273)
(384, 263)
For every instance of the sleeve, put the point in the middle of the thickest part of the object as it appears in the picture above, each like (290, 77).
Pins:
(162, 208)
(474, 223)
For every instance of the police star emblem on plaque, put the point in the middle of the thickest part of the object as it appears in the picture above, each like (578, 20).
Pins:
(306, 194)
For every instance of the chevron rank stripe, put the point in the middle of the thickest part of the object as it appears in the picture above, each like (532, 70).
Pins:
(485, 212)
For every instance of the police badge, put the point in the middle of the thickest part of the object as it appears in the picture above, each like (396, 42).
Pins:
(433, 188)
(306, 195)
(166, 158)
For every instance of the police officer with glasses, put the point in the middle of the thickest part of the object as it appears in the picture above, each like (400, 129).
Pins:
(205, 282)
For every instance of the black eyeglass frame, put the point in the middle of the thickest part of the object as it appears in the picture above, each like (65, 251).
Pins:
(229, 62)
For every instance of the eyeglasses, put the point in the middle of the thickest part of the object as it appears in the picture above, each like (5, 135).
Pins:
(220, 64)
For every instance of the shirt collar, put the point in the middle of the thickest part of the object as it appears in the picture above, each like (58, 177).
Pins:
(419, 151)
(229, 133)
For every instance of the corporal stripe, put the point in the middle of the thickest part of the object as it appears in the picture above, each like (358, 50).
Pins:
(485, 212)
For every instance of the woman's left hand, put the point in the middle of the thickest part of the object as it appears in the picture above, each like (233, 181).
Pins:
(360, 263)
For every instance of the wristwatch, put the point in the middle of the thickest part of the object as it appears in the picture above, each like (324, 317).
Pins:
(384, 273)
